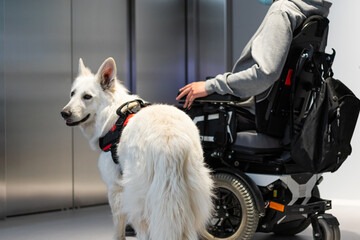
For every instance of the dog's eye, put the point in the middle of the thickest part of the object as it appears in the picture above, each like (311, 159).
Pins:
(72, 93)
(87, 97)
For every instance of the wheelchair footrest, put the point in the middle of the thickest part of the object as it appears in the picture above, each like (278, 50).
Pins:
(317, 206)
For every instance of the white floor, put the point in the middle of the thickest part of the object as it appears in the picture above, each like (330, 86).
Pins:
(95, 223)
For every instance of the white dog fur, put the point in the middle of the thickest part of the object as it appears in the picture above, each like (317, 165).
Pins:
(165, 190)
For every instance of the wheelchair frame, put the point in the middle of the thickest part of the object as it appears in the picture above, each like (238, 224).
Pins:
(285, 200)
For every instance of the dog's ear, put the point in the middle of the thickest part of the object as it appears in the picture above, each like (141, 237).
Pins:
(107, 73)
(82, 69)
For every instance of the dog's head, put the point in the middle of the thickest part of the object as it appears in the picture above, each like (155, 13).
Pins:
(88, 93)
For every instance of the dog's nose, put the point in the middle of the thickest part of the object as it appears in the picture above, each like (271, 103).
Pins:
(66, 114)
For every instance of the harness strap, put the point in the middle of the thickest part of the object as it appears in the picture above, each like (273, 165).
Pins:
(111, 139)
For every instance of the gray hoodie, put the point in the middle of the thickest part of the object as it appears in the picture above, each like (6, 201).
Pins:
(263, 58)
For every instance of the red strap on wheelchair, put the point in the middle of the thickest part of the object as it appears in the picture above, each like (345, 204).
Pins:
(288, 78)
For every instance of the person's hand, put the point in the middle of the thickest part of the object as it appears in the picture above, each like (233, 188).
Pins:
(193, 90)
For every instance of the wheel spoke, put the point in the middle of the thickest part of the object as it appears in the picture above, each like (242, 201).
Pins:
(217, 223)
(231, 224)
(226, 198)
(229, 217)
(235, 216)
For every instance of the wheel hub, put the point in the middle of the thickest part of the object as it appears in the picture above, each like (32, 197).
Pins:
(227, 217)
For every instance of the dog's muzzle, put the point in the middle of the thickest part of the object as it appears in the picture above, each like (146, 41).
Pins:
(67, 114)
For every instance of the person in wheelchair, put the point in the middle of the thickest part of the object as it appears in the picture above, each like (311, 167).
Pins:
(293, 123)
(262, 60)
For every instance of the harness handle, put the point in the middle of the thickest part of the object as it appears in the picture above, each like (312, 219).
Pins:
(131, 107)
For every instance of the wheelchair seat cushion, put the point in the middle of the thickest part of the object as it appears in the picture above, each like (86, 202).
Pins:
(257, 141)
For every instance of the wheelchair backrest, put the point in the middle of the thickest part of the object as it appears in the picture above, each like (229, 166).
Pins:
(290, 96)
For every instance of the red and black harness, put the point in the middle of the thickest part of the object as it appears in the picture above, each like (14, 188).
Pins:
(111, 139)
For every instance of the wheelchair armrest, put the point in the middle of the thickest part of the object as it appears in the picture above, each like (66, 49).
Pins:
(215, 97)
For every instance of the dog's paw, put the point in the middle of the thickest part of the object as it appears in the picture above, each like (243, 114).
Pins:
(130, 232)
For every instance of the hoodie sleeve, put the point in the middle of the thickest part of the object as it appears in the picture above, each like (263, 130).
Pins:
(268, 51)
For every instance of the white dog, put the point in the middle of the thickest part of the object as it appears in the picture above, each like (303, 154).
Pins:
(160, 184)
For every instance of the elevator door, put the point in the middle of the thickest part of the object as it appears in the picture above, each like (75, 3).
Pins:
(212, 45)
(160, 49)
(37, 74)
(247, 17)
(2, 116)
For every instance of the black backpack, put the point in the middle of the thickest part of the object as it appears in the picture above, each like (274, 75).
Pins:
(323, 143)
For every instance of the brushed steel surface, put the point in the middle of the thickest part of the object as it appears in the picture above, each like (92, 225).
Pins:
(37, 75)
(99, 31)
(160, 49)
(2, 115)
(212, 40)
(228, 35)
(247, 16)
(217, 32)
(192, 48)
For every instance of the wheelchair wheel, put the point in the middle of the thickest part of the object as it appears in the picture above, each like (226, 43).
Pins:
(336, 230)
(329, 232)
(236, 216)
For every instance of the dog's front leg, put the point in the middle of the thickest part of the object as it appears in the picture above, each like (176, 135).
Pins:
(120, 223)
(119, 219)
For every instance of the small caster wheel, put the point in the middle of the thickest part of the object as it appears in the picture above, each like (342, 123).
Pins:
(336, 230)
(328, 232)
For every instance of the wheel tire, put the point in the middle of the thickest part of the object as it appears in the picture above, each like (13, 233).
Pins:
(295, 227)
(327, 231)
(336, 231)
(236, 216)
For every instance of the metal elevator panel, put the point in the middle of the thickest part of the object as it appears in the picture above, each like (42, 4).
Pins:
(99, 31)
(37, 53)
(160, 49)
(212, 41)
(2, 115)
(223, 29)
(247, 17)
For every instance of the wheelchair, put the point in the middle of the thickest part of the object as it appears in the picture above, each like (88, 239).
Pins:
(258, 186)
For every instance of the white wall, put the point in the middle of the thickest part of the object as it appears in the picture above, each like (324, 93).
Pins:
(344, 36)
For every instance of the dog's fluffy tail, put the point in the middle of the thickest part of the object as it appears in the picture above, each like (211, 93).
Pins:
(179, 198)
